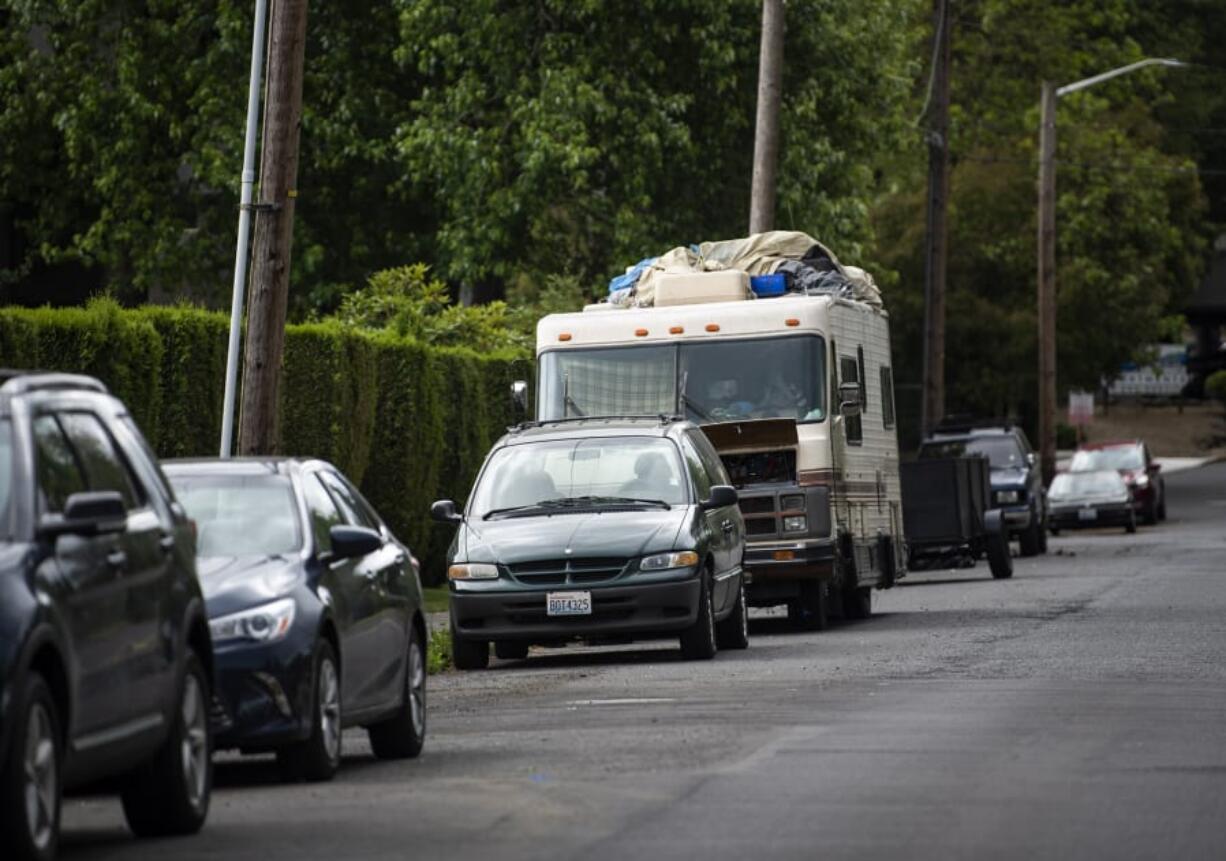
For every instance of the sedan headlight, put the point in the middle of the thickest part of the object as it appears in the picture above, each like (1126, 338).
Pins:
(1006, 496)
(1140, 480)
(264, 624)
(665, 561)
(795, 524)
(473, 571)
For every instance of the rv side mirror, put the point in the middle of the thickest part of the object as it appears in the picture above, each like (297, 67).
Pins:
(519, 398)
(849, 399)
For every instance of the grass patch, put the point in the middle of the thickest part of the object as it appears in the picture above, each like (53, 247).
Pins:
(435, 598)
(438, 658)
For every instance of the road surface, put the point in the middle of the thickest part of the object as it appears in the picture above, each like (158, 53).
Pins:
(1076, 711)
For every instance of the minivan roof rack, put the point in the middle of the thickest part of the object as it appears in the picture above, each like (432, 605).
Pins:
(661, 418)
(17, 382)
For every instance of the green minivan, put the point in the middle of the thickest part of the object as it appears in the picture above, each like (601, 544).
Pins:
(597, 528)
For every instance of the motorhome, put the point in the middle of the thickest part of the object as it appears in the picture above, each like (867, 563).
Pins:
(796, 394)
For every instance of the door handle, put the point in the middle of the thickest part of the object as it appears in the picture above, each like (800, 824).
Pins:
(728, 526)
(117, 559)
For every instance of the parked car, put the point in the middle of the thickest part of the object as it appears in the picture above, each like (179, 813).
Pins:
(1133, 461)
(315, 609)
(1017, 481)
(596, 528)
(105, 657)
(1090, 500)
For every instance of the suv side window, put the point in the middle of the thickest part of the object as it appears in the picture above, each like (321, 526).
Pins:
(321, 510)
(104, 466)
(56, 465)
(698, 472)
(710, 458)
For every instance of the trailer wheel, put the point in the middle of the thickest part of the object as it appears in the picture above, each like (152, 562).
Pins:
(999, 560)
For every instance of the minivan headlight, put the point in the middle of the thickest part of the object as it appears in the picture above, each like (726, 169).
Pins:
(473, 571)
(665, 561)
(264, 624)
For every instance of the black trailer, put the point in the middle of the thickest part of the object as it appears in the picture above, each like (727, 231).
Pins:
(947, 518)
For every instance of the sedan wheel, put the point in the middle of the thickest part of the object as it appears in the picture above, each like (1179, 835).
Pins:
(319, 756)
(403, 735)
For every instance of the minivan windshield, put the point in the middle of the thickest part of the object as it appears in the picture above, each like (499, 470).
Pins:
(571, 474)
(240, 515)
(711, 380)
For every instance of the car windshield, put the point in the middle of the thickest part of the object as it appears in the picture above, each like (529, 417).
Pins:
(6, 475)
(579, 473)
(240, 515)
(1122, 457)
(1082, 484)
(1002, 452)
(712, 381)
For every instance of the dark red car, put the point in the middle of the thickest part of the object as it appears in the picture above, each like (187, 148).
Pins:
(1133, 461)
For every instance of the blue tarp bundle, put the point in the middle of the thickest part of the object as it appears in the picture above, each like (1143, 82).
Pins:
(631, 278)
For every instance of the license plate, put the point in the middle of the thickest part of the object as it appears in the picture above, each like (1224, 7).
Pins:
(568, 604)
(1088, 514)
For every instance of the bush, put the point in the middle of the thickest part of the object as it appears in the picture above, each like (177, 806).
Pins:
(1066, 436)
(408, 422)
(1215, 386)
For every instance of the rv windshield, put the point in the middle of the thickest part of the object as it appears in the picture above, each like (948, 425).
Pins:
(712, 381)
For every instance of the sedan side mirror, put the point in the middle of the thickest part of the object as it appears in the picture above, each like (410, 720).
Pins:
(721, 496)
(444, 511)
(849, 399)
(350, 542)
(1155, 466)
(100, 512)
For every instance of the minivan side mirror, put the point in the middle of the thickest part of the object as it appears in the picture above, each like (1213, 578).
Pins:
(444, 511)
(519, 398)
(722, 495)
(350, 542)
(96, 512)
(849, 399)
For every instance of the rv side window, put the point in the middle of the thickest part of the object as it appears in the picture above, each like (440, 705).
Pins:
(863, 378)
(849, 372)
(887, 397)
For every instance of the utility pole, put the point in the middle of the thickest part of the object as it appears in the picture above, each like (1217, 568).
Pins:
(1047, 281)
(766, 134)
(935, 267)
(258, 431)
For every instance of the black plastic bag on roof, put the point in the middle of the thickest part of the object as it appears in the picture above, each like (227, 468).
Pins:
(804, 278)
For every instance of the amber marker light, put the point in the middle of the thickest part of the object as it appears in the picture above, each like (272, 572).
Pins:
(640, 332)
(676, 330)
(565, 336)
(712, 327)
(792, 321)
(784, 555)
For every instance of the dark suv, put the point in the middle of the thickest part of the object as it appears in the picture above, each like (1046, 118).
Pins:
(105, 654)
(597, 528)
(1017, 482)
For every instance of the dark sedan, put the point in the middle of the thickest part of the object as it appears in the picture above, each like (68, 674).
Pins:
(593, 529)
(315, 610)
(1090, 500)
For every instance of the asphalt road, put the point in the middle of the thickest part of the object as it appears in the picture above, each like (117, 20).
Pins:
(1076, 711)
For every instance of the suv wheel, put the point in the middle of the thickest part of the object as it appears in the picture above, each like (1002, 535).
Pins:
(1030, 541)
(170, 793)
(469, 654)
(319, 756)
(809, 612)
(30, 781)
(698, 640)
(733, 632)
(402, 736)
(999, 560)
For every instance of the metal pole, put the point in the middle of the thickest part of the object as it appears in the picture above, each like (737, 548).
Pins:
(766, 135)
(1047, 281)
(244, 225)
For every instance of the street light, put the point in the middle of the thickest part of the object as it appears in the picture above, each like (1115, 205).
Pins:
(1047, 251)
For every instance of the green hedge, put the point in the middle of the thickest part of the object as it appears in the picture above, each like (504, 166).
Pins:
(407, 422)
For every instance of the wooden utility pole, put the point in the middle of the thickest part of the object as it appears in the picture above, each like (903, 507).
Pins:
(938, 201)
(274, 226)
(766, 135)
(1047, 281)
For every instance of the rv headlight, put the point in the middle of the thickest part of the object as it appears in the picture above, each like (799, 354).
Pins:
(795, 502)
(665, 561)
(473, 571)
(795, 524)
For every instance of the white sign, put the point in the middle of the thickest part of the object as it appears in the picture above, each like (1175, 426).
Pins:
(1080, 408)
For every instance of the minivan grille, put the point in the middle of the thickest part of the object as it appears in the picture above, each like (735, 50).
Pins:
(563, 572)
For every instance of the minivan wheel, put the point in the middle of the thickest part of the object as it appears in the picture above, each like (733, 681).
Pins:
(733, 632)
(698, 640)
(319, 756)
(510, 650)
(30, 781)
(170, 793)
(404, 735)
(469, 654)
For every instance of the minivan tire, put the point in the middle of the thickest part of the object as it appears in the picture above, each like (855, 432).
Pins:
(733, 632)
(469, 654)
(403, 735)
(30, 841)
(160, 798)
(318, 756)
(698, 640)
